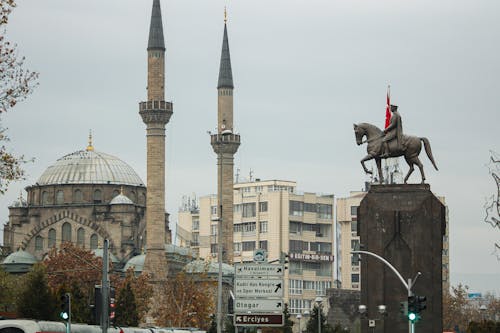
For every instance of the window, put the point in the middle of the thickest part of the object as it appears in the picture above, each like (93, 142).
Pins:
(324, 211)
(355, 244)
(77, 196)
(354, 210)
(80, 237)
(296, 208)
(237, 247)
(295, 246)
(309, 207)
(196, 239)
(324, 248)
(295, 287)
(213, 248)
(143, 199)
(59, 197)
(263, 227)
(355, 278)
(133, 197)
(354, 226)
(309, 285)
(248, 209)
(247, 227)
(93, 242)
(52, 238)
(213, 230)
(45, 198)
(115, 193)
(295, 227)
(263, 206)
(248, 246)
(66, 232)
(310, 227)
(97, 196)
(263, 245)
(196, 225)
(38, 243)
(213, 210)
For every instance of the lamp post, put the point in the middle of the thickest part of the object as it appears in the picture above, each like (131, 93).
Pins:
(299, 316)
(363, 310)
(318, 301)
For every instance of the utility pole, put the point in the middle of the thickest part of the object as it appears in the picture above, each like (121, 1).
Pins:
(105, 289)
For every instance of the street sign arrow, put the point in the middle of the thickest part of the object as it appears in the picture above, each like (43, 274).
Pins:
(258, 288)
(256, 270)
(258, 305)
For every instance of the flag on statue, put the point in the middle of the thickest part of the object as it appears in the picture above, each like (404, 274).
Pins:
(388, 108)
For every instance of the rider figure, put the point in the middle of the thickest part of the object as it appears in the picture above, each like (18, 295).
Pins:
(393, 132)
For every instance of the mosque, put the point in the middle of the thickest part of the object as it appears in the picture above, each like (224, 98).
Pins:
(88, 196)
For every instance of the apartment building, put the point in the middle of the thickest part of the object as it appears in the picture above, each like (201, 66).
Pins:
(272, 215)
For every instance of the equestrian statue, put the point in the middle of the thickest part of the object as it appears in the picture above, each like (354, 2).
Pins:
(391, 142)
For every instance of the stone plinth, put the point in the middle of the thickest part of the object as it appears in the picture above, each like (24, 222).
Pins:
(404, 224)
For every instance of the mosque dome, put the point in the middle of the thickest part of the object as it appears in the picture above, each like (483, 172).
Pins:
(100, 253)
(20, 257)
(121, 199)
(89, 167)
(137, 263)
(201, 266)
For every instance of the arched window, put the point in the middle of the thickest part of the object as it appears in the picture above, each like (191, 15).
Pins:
(59, 197)
(80, 237)
(38, 243)
(143, 199)
(115, 193)
(77, 196)
(97, 196)
(93, 242)
(52, 238)
(45, 198)
(133, 197)
(66, 232)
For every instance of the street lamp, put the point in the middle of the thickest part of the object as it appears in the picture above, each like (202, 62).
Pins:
(298, 318)
(318, 301)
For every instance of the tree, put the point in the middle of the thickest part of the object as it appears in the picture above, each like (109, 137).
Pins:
(76, 271)
(492, 206)
(35, 300)
(141, 289)
(9, 286)
(126, 308)
(185, 301)
(16, 84)
(312, 323)
(287, 328)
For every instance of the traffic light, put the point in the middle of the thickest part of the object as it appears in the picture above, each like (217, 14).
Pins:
(421, 303)
(403, 308)
(412, 308)
(112, 306)
(65, 306)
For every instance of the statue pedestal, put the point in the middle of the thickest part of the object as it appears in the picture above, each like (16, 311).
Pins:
(404, 224)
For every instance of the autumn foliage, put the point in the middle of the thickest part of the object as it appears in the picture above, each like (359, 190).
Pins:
(186, 301)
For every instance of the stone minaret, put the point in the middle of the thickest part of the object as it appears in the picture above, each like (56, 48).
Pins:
(225, 144)
(156, 113)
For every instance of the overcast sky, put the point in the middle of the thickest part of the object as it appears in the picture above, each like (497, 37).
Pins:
(304, 72)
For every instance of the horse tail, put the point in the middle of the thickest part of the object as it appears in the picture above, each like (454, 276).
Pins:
(428, 151)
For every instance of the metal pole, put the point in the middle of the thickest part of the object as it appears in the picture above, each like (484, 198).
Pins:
(68, 324)
(319, 318)
(105, 289)
(219, 250)
(411, 325)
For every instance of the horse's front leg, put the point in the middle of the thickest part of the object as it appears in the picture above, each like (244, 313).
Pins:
(379, 167)
(363, 160)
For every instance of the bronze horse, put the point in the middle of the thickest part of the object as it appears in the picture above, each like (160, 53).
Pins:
(411, 149)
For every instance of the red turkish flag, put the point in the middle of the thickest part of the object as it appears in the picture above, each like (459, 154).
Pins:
(388, 108)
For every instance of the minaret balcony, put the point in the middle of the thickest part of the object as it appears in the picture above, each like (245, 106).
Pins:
(225, 143)
(156, 106)
(156, 112)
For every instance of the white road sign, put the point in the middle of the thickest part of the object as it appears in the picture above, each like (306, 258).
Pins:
(258, 288)
(259, 270)
(258, 305)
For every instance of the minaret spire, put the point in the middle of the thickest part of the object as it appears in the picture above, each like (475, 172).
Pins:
(225, 72)
(156, 40)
